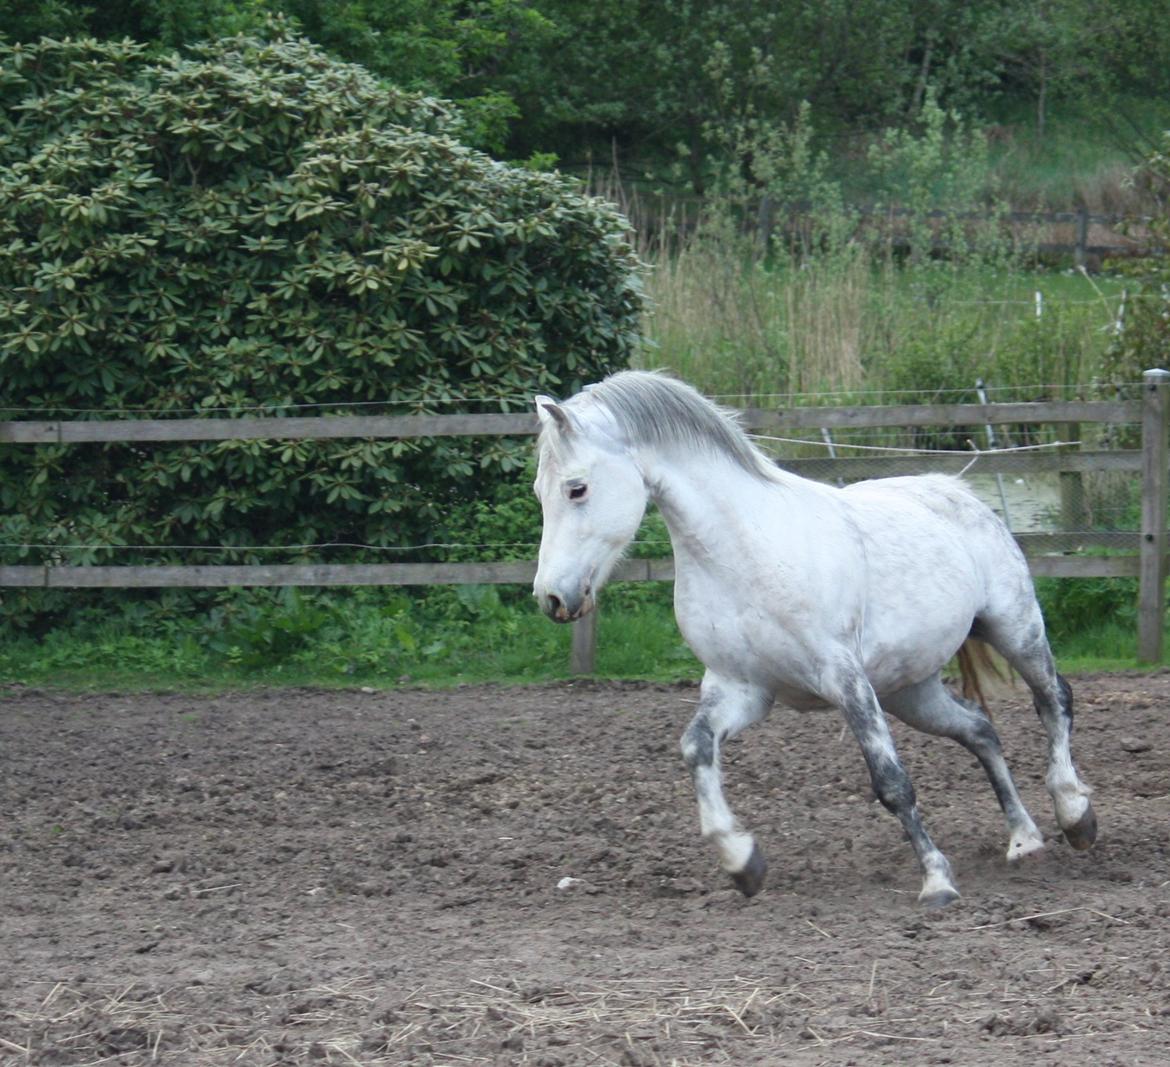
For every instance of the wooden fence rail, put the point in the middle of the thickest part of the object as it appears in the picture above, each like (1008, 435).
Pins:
(1049, 554)
(269, 428)
(1088, 235)
(1093, 235)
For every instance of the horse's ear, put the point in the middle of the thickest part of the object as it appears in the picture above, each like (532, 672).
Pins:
(551, 413)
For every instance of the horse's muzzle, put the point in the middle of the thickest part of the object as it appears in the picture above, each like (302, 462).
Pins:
(563, 608)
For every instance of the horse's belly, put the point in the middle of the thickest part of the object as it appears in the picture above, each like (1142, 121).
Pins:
(891, 669)
(799, 700)
(906, 634)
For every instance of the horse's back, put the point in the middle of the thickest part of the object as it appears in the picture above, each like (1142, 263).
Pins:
(940, 520)
(944, 502)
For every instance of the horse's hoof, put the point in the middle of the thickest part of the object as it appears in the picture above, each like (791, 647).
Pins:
(1083, 832)
(938, 898)
(937, 889)
(1024, 844)
(750, 880)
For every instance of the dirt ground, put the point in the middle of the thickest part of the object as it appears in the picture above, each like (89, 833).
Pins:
(296, 877)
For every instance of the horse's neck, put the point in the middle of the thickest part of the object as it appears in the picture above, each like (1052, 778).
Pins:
(713, 507)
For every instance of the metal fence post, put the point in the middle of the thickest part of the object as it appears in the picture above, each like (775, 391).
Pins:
(1155, 475)
(583, 655)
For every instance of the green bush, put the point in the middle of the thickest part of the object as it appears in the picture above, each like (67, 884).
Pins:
(260, 226)
(1074, 606)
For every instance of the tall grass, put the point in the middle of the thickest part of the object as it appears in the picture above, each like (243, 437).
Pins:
(849, 304)
(846, 324)
(1086, 156)
(739, 327)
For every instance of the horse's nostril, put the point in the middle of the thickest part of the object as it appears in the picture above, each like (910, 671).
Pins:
(553, 603)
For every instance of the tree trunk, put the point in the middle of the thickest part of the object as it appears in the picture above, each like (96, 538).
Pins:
(695, 155)
(1042, 97)
(923, 78)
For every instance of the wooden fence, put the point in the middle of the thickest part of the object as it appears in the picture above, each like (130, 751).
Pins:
(1049, 554)
(1089, 237)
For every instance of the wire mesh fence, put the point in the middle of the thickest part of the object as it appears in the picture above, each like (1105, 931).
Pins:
(1104, 503)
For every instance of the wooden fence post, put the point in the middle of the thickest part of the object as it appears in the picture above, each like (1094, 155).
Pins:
(583, 655)
(1155, 475)
(1081, 247)
(1072, 484)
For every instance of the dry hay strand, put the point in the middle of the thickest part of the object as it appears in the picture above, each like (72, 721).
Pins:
(638, 1022)
(81, 1028)
(651, 1022)
(133, 1024)
(631, 1022)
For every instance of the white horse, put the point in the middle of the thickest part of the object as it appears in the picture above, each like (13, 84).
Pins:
(793, 591)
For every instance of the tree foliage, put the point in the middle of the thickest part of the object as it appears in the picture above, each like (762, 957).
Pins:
(663, 80)
(670, 78)
(479, 53)
(258, 225)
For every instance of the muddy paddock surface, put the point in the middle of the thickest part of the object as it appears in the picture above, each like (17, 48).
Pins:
(505, 876)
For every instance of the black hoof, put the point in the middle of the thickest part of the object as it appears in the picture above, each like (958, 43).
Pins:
(750, 880)
(1083, 832)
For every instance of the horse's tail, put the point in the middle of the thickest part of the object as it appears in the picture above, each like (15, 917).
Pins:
(978, 664)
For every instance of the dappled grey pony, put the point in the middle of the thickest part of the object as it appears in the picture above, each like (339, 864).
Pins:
(793, 591)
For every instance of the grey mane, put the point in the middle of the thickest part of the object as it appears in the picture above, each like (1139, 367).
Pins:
(654, 409)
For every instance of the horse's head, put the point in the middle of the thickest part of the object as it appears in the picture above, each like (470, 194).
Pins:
(593, 497)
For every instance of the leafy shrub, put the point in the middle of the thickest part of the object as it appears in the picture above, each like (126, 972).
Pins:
(1074, 606)
(262, 226)
(507, 516)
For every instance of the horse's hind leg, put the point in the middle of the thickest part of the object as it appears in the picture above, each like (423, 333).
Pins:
(1025, 647)
(928, 706)
(725, 708)
(1053, 698)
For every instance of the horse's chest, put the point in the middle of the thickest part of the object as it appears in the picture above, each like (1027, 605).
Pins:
(743, 639)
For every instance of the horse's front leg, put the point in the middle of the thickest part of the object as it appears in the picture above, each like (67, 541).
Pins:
(891, 783)
(725, 708)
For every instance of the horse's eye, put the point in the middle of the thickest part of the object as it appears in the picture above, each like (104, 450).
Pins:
(578, 491)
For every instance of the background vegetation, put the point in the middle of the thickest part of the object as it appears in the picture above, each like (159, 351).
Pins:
(260, 226)
(665, 83)
(202, 209)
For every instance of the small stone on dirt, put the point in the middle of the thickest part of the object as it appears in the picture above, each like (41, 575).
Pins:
(1135, 744)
